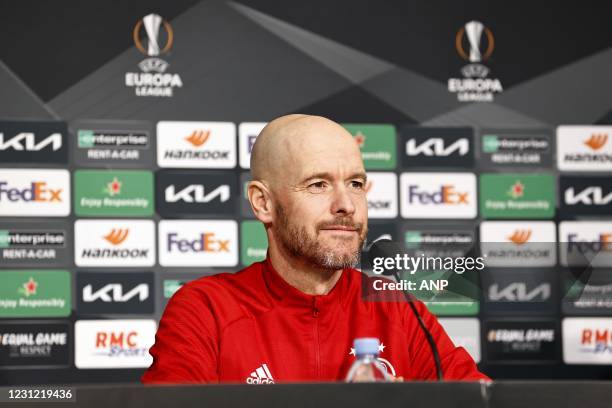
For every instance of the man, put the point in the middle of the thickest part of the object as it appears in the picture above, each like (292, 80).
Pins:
(294, 316)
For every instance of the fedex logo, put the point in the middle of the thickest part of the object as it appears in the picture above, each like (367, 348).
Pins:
(447, 194)
(37, 191)
(438, 195)
(34, 192)
(198, 243)
(586, 243)
(206, 242)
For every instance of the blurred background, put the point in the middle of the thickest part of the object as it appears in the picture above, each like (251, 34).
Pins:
(127, 127)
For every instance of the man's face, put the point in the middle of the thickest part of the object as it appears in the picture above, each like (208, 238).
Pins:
(321, 207)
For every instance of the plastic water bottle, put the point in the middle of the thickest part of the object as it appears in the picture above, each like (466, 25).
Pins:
(367, 368)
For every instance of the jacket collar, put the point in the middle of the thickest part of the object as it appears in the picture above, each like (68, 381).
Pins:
(283, 292)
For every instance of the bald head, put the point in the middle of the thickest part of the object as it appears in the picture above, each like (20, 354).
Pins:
(297, 140)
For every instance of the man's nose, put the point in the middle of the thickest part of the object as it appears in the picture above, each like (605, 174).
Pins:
(342, 201)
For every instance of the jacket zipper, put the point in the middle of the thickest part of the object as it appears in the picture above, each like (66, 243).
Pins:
(315, 315)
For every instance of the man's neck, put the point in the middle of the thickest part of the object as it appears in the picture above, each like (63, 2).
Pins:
(302, 276)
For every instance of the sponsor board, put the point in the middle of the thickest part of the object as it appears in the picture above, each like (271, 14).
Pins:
(588, 196)
(253, 242)
(109, 193)
(171, 283)
(589, 294)
(518, 243)
(510, 291)
(35, 293)
(171, 286)
(33, 142)
(202, 243)
(113, 343)
(525, 148)
(245, 206)
(454, 305)
(34, 192)
(381, 191)
(438, 195)
(102, 143)
(31, 343)
(585, 243)
(192, 193)
(115, 293)
(464, 332)
(377, 143)
(515, 341)
(209, 145)
(584, 148)
(519, 195)
(378, 230)
(449, 240)
(587, 340)
(47, 243)
(114, 243)
(247, 134)
(437, 147)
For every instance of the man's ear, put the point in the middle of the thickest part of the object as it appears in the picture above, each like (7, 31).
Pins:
(260, 199)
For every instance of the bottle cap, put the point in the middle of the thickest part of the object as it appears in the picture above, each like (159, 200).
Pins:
(366, 345)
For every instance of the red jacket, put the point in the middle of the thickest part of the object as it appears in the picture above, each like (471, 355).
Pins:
(252, 326)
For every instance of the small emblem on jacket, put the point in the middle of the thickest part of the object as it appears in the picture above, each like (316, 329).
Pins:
(261, 375)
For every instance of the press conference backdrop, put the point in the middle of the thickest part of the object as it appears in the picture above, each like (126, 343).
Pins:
(124, 150)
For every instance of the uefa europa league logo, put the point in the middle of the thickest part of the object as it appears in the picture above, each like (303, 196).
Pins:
(152, 24)
(473, 30)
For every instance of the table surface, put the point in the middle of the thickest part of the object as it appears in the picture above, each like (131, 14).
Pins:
(540, 394)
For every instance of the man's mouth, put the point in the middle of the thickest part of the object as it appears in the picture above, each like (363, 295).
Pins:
(339, 228)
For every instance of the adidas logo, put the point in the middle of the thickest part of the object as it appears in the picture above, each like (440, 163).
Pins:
(198, 137)
(597, 141)
(261, 375)
(117, 236)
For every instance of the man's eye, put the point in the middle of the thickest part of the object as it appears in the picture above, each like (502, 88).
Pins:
(357, 184)
(317, 186)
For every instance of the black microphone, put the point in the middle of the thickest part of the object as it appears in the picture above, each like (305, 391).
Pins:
(376, 250)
